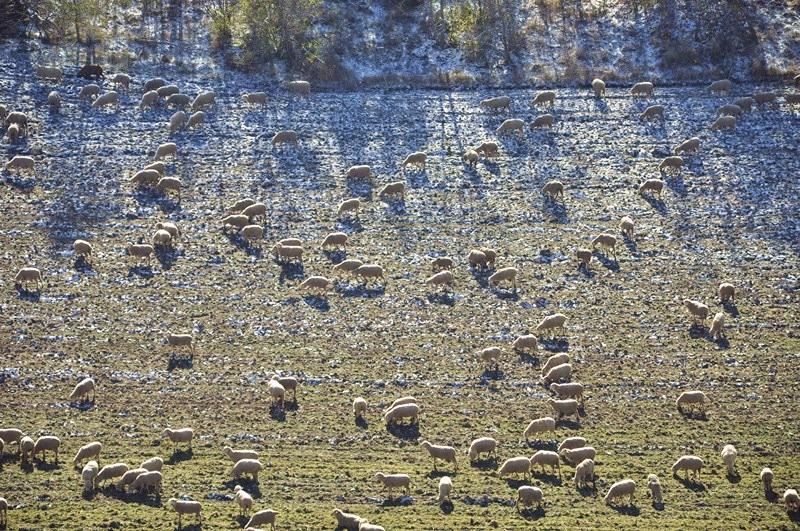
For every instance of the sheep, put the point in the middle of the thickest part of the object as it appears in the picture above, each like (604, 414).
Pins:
(54, 101)
(359, 407)
(565, 408)
(583, 472)
(26, 445)
(178, 100)
(471, 157)
(368, 271)
(691, 144)
(791, 499)
(516, 466)
(691, 398)
(121, 79)
(129, 477)
(445, 488)
(529, 495)
(316, 283)
(540, 425)
(153, 464)
(729, 110)
(347, 520)
(402, 411)
(546, 457)
(528, 341)
(766, 479)
(335, 239)
(109, 472)
(400, 401)
(170, 227)
(289, 383)
(764, 97)
(19, 163)
(573, 390)
(557, 373)
(254, 98)
(418, 158)
(29, 274)
(553, 189)
(394, 189)
(256, 209)
(607, 242)
(717, 329)
(86, 451)
(45, 73)
(671, 162)
(599, 87)
(576, 455)
(727, 291)
(359, 173)
(394, 481)
(722, 85)
(687, 463)
(491, 256)
(238, 455)
(88, 473)
(3, 112)
(13, 133)
(482, 445)
(584, 256)
(19, 118)
(146, 480)
(506, 273)
(729, 458)
(792, 98)
(238, 221)
(292, 242)
(141, 251)
(82, 248)
(109, 98)
(642, 88)
(652, 185)
(496, 103)
(277, 392)
(166, 150)
(90, 71)
(349, 205)
(285, 253)
(166, 91)
(348, 265)
(241, 205)
(153, 84)
(186, 507)
(252, 233)
(490, 356)
(183, 435)
(299, 86)
(620, 489)
(654, 485)
(626, 226)
(445, 453)
(724, 122)
(203, 99)
(552, 322)
(162, 239)
(477, 258)
(746, 104)
(180, 340)
(513, 124)
(697, 309)
(247, 466)
(169, 183)
(652, 111)
(547, 96)
(148, 99)
(177, 121)
(545, 120)
(571, 443)
(282, 137)
(243, 500)
(442, 278)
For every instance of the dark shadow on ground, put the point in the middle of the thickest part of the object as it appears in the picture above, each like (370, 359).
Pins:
(444, 298)
(179, 456)
(404, 431)
(657, 204)
(690, 483)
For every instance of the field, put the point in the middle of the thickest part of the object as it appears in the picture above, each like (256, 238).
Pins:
(731, 215)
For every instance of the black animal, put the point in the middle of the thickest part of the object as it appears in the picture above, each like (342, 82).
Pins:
(89, 71)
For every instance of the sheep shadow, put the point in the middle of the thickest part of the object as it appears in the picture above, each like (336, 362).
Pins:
(318, 302)
(291, 405)
(548, 477)
(489, 374)
(23, 185)
(690, 484)
(144, 271)
(656, 204)
(794, 515)
(350, 225)
(692, 415)
(433, 474)
(527, 357)
(490, 463)
(44, 466)
(82, 266)
(658, 506)
(508, 294)
(404, 431)
(362, 290)
(516, 483)
(611, 265)
(82, 406)
(771, 496)
(626, 510)
(167, 204)
(277, 412)
(697, 331)
(87, 495)
(734, 479)
(630, 244)
(587, 491)
(601, 106)
(531, 514)
(166, 257)
(290, 270)
(731, 308)
(556, 211)
(191, 527)
(676, 184)
(396, 207)
(539, 444)
(555, 345)
(446, 507)
(445, 298)
(336, 257)
(362, 423)
(178, 456)
(248, 484)
(179, 362)
(721, 342)
(361, 190)
(571, 424)
(26, 295)
(481, 276)
(418, 179)
(400, 501)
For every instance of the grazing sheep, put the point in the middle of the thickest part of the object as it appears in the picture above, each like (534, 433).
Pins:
(289, 383)
(88, 473)
(626, 226)
(359, 173)
(671, 162)
(177, 121)
(482, 445)
(166, 150)
(141, 251)
(285, 253)
(238, 221)
(148, 99)
(746, 104)
(644, 88)
(19, 118)
(89, 91)
(169, 183)
(490, 356)
(620, 489)
(654, 485)
(792, 98)
(122, 79)
(197, 118)
(584, 256)
(554, 189)
(316, 283)
(791, 499)
(488, 149)
(186, 507)
(347, 520)
(348, 265)
(82, 248)
(571, 443)
(478, 258)
(282, 137)
(19, 163)
(599, 87)
(369, 271)
(335, 239)
(528, 341)
(552, 322)
(516, 466)
(445, 453)
(153, 84)
(88, 450)
(109, 98)
(506, 273)
(691, 398)
(349, 205)
(129, 477)
(577, 455)
(359, 407)
(513, 124)
(445, 488)
(241, 205)
(545, 120)
(572, 390)
(252, 233)
(170, 227)
(491, 256)
(557, 373)
(13, 133)
(496, 103)
(238, 455)
(584, 472)
(565, 408)
(178, 100)
(153, 464)
(203, 99)
(394, 481)
(48, 73)
(54, 101)
(652, 185)
(247, 466)
(471, 157)
(717, 329)
(3, 112)
(692, 144)
(546, 457)
(146, 481)
(418, 158)
(243, 500)
(255, 98)
(729, 110)
(554, 360)
(26, 445)
(442, 278)
(116, 470)
(402, 411)
(764, 97)
(394, 189)
(29, 274)
(277, 392)
(528, 495)
(180, 340)
(299, 86)
(687, 463)
(607, 242)
(256, 209)
(541, 425)
(697, 309)
(183, 435)
(766, 479)
(653, 110)
(546, 96)
(724, 122)
(727, 291)
(729, 458)
(402, 400)
(167, 90)
(722, 85)
(266, 516)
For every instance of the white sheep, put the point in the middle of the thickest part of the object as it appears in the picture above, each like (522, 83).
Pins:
(186, 507)
(88, 473)
(166, 150)
(571, 443)
(445, 453)
(513, 124)
(652, 185)
(552, 322)
(152, 464)
(553, 189)
(791, 499)
(145, 251)
(599, 87)
(607, 242)
(370, 271)
(727, 291)
(528, 495)
(86, 451)
(146, 481)
(583, 472)
(359, 173)
(13, 133)
(490, 356)
(335, 239)
(147, 176)
(528, 341)
(316, 283)
(29, 274)
(722, 85)
(482, 445)
(691, 398)
(729, 110)
(417, 158)
(584, 256)
(545, 120)
(45, 443)
(540, 425)
(54, 100)
(546, 96)
(442, 278)
(166, 91)
(578, 455)
(366, 526)
(642, 88)
(277, 392)
(724, 122)
(565, 408)
(546, 457)
(243, 500)
(557, 373)
(620, 489)
(197, 118)
(177, 121)
(402, 400)
(626, 226)
(477, 258)
(162, 239)
(359, 407)
(170, 227)
(397, 188)
(178, 100)
(654, 484)
(109, 98)
(717, 328)
(83, 249)
(238, 455)
(516, 466)
(238, 221)
(109, 472)
(256, 209)
(349, 265)
(746, 103)
(653, 110)
(289, 383)
(183, 435)
(121, 79)
(282, 137)
(445, 488)
(671, 162)
(488, 148)
(180, 340)
(20, 162)
(347, 520)
(169, 183)
(241, 204)
(129, 477)
(286, 253)
(349, 205)
(687, 463)
(18, 118)
(394, 481)
(247, 466)
(766, 479)
(153, 84)
(471, 157)
(496, 103)
(254, 98)
(697, 309)
(729, 458)
(148, 99)
(554, 360)
(506, 273)
(26, 445)
(402, 411)
(45, 73)
(689, 145)
(570, 390)
(299, 86)
(203, 99)
(764, 97)
(83, 389)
